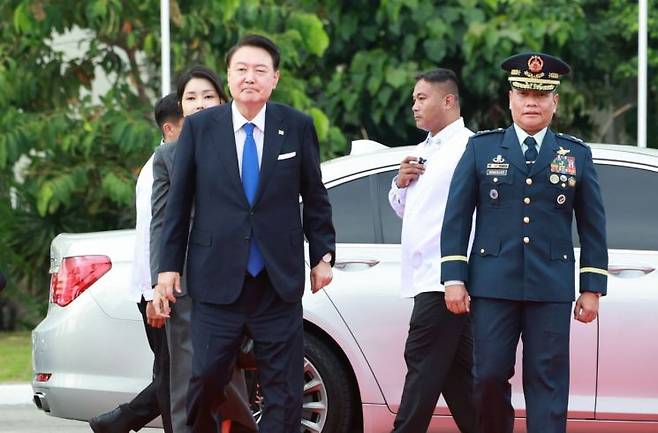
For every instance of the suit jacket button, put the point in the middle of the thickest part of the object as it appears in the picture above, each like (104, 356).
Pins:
(251, 213)
(526, 240)
(526, 220)
(528, 181)
(248, 237)
(526, 200)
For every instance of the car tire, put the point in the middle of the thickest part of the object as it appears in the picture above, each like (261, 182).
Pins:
(328, 385)
(329, 400)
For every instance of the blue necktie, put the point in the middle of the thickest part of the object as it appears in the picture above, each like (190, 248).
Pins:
(250, 174)
(531, 152)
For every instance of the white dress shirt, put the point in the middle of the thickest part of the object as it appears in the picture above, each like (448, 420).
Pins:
(421, 206)
(240, 135)
(141, 266)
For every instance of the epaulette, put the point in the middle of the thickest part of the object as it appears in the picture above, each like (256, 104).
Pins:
(488, 131)
(572, 138)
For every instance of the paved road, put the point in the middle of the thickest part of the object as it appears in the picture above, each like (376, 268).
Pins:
(25, 418)
(19, 415)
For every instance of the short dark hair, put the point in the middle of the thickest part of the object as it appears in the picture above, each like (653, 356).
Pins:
(441, 75)
(257, 41)
(199, 71)
(167, 109)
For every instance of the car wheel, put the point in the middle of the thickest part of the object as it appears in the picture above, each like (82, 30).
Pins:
(328, 401)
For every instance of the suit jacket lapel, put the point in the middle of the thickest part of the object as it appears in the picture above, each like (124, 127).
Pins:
(546, 153)
(223, 138)
(274, 136)
(514, 155)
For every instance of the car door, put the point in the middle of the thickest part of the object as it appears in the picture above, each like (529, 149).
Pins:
(627, 386)
(366, 284)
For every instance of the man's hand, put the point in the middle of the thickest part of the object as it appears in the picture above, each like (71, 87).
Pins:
(409, 171)
(457, 299)
(164, 292)
(587, 307)
(151, 316)
(321, 275)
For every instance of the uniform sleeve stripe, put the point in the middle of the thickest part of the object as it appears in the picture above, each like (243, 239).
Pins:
(454, 258)
(594, 271)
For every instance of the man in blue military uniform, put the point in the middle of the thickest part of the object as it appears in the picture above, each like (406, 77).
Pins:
(526, 183)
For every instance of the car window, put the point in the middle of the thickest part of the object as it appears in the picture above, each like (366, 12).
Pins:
(353, 212)
(631, 206)
(390, 222)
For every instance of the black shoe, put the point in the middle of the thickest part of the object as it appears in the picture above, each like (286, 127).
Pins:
(110, 422)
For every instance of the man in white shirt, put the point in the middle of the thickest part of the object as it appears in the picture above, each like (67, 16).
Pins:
(439, 347)
(153, 400)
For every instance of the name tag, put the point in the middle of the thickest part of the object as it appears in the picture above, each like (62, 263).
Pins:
(496, 172)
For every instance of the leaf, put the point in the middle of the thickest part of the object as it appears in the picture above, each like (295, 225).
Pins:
(43, 198)
(321, 122)
(396, 76)
(314, 38)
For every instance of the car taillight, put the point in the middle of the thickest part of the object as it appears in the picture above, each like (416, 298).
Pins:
(75, 275)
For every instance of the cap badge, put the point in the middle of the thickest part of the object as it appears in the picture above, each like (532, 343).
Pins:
(535, 64)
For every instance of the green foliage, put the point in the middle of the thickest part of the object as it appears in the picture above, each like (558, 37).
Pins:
(350, 65)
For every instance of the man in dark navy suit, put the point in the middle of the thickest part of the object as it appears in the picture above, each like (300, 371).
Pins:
(526, 183)
(243, 166)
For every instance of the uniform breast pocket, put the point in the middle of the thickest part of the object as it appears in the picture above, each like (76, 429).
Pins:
(497, 190)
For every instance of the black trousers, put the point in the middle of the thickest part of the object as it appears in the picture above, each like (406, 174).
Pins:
(544, 329)
(154, 399)
(276, 328)
(439, 357)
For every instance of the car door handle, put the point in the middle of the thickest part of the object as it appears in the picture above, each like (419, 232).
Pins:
(630, 271)
(354, 265)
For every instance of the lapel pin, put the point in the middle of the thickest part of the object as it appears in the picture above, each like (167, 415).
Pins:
(280, 131)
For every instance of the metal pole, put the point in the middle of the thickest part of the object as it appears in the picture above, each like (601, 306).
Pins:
(642, 75)
(165, 55)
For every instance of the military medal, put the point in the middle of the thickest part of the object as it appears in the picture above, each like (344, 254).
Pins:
(493, 194)
(561, 199)
(572, 181)
(563, 178)
(554, 179)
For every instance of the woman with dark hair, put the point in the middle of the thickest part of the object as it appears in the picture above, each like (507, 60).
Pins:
(198, 88)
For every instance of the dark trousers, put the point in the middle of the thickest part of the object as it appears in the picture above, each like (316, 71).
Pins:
(277, 331)
(154, 399)
(439, 357)
(544, 330)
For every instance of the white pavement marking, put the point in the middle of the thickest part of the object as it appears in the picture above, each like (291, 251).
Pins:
(15, 393)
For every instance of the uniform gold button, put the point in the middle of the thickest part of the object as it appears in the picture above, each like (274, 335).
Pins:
(526, 200)
(564, 257)
(528, 181)
(482, 251)
(526, 220)
(526, 240)
(495, 179)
